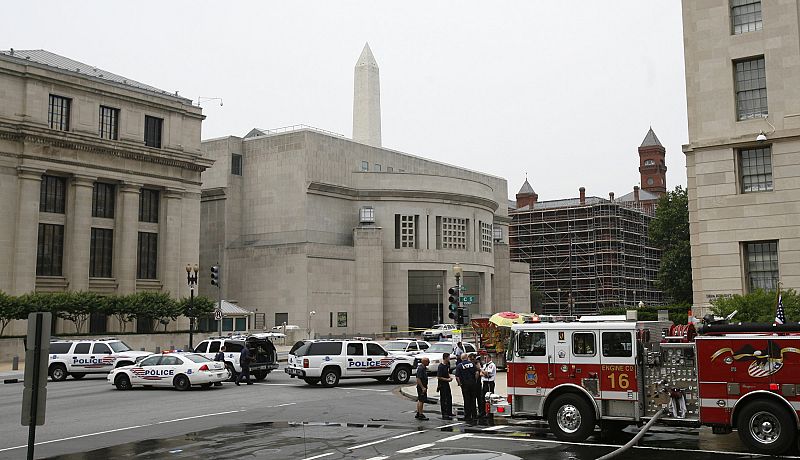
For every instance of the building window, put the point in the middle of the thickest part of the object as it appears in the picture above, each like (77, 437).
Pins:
(486, 237)
(751, 88)
(405, 231)
(103, 197)
(389, 169)
(745, 16)
(451, 233)
(148, 205)
(378, 167)
(58, 112)
(148, 255)
(364, 166)
(756, 169)
(649, 163)
(281, 319)
(341, 319)
(98, 324)
(236, 164)
(761, 265)
(152, 131)
(49, 250)
(100, 253)
(109, 123)
(498, 233)
(52, 195)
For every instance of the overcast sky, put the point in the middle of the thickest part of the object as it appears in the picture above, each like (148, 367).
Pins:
(564, 91)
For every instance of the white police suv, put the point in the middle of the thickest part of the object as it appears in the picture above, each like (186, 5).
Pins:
(180, 370)
(264, 357)
(80, 357)
(327, 361)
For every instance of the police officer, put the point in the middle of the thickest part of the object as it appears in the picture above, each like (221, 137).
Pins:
(467, 377)
(244, 361)
(422, 388)
(445, 396)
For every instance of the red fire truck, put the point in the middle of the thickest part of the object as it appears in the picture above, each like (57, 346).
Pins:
(612, 372)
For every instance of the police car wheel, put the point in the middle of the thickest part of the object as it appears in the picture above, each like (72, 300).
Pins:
(58, 372)
(402, 374)
(231, 372)
(382, 379)
(181, 382)
(122, 382)
(571, 418)
(766, 427)
(77, 375)
(330, 377)
(260, 375)
(311, 381)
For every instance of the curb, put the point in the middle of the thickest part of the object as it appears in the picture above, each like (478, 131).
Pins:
(413, 396)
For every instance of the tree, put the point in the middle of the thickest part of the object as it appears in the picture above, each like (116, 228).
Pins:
(159, 307)
(10, 309)
(201, 306)
(121, 308)
(75, 306)
(669, 231)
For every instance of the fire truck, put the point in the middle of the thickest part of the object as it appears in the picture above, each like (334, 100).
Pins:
(609, 371)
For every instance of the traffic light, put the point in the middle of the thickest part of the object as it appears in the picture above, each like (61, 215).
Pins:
(215, 275)
(462, 315)
(454, 303)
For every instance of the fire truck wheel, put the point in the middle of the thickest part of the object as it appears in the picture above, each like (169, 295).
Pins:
(571, 418)
(766, 427)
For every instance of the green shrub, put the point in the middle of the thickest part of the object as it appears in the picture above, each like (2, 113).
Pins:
(759, 306)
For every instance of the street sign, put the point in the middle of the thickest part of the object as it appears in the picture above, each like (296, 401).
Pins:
(37, 348)
(456, 335)
(217, 314)
(467, 299)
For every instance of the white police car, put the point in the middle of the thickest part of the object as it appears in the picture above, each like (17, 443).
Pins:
(80, 357)
(263, 355)
(176, 369)
(327, 361)
(435, 351)
(407, 347)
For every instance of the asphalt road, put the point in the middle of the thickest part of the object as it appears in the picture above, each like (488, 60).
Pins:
(283, 418)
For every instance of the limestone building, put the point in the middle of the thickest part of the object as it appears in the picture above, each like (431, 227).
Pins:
(100, 179)
(743, 156)
(302, 220)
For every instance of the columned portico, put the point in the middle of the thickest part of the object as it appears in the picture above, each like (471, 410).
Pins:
(128, 225)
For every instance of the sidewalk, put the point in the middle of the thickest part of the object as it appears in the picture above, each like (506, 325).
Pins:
(7, 375)
(410, 391)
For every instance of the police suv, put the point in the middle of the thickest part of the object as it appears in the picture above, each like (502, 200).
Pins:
(80, 357)
(264, 357)
(327, 361)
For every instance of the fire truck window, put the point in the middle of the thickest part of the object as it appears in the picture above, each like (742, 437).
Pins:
(583, 344)
(531, 344)
(617, 344)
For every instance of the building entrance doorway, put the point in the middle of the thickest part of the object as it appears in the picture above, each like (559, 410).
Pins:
(424, 300)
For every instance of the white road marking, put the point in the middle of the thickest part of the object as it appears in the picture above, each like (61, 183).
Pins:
(282, 405)
(318, 456)
(455, 437)
(448, 426)
(495, 428)
(358, 389)
(372, 443)
(587, 444)
(276, 384)
(119, 429)
(414, 449)
(379, 457)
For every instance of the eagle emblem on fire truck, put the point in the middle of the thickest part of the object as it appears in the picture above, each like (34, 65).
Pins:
(530, 376)
(763, 363)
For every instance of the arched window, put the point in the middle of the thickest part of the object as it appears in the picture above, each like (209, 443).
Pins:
(649, 163)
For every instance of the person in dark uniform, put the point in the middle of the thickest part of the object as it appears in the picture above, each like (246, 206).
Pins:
(466, 377)
(244, 361)
(445, 396)
(479, 399)
(422, 388)
(220, 356)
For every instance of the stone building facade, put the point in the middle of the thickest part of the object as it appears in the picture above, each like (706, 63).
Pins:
(100, 179)
(743, 156)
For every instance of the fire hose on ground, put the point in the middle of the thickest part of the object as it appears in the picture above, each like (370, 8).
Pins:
(635, 439)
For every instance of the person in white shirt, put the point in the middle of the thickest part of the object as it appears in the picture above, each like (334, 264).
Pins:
(488, 374)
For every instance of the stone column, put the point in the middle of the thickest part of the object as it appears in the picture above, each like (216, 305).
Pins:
(79, 230)
(172, 266)
(25, 239)
(127, 232)
(368, 292)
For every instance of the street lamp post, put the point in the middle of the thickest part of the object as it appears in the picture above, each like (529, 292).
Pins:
(191, 280)
(438, 304)
(308, 326)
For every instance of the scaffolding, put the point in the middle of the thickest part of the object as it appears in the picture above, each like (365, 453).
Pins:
(587, 256)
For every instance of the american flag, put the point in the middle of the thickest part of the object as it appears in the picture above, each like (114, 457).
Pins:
(780, 317)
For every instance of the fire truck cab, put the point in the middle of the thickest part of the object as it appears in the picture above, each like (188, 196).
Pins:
(609, 371)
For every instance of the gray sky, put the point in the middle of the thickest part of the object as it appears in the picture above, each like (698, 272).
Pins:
(564, 91)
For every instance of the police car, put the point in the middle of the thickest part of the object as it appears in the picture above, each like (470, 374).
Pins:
(435, 351)
(327, 361)
(80, 357)
(439, 332)
(264, 357)
(176, 369)
(407, 347)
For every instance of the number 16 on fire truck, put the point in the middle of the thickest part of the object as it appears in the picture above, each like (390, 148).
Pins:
(614, 372)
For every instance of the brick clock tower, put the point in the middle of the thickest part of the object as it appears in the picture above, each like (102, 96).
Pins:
(652, 169)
